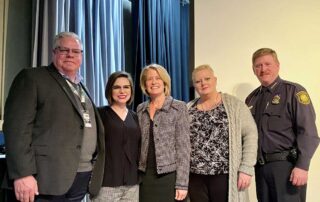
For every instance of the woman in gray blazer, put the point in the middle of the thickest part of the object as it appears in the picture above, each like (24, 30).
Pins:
(165, 146)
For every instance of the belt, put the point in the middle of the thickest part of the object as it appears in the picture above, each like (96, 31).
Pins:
(289, 155)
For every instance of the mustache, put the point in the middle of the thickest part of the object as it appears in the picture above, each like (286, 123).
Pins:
(263, 73)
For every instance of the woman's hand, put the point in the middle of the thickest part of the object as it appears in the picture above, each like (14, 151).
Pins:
(181, 194)
(244, 181)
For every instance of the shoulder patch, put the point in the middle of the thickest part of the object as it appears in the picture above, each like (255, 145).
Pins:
(303, 97)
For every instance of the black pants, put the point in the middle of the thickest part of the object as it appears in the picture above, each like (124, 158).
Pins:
(272, 183)
(76, 192)
(208, 188)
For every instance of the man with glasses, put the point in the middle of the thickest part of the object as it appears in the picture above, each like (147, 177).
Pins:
(53, 133)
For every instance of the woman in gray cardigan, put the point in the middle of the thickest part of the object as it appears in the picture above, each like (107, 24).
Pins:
(165, 146)
(223, 143)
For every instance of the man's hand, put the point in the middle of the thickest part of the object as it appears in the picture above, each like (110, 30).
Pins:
(180, 194)
(298, 177)
(26, 188)
(244, 181)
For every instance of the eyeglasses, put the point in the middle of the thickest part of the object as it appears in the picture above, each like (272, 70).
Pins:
(65, 51)
(125, 87)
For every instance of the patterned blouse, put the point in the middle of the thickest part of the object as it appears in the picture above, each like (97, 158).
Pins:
(209, 141)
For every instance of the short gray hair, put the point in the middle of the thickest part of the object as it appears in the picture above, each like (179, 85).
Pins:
(63, 35)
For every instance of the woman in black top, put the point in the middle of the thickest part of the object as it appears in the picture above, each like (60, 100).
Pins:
(122, 139)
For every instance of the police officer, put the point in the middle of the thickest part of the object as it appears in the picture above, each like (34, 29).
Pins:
(288, 135)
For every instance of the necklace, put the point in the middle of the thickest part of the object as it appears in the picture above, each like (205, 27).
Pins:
(208, 105)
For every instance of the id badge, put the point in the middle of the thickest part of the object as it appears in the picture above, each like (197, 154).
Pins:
(86, 118)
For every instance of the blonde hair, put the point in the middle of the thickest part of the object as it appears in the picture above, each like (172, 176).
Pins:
(264, 51)
(163, 75)
(201, 67)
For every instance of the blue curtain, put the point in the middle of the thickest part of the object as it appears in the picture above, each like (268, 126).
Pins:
(99, 23)
(162, 36)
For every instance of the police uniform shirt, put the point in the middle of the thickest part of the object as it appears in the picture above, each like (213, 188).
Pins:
(286, 120)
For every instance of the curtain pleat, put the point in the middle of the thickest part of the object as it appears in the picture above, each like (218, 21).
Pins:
(42, 31)
(185, 49)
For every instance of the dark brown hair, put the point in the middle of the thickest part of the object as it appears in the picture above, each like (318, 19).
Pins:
(112, 79)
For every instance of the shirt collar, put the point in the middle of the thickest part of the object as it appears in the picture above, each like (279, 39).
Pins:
(77, 79)
(271, 88)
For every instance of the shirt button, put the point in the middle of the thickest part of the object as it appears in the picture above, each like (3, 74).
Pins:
(78, 147)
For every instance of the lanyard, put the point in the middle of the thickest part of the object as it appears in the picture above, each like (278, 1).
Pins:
(80, 93)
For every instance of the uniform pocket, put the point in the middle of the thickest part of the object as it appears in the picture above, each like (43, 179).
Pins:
(274, 121)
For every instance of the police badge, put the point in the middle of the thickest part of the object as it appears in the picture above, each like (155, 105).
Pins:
(276, 100)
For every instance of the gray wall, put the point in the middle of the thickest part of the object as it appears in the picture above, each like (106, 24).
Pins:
(18, 41)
